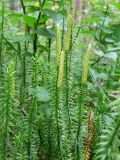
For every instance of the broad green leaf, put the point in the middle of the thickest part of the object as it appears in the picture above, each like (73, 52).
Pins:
(33, 9)
(49, 33)
(43, 48)
(30, 21)
(107, 30)
(98, 52)
(109, 40)
(14, 18)
(41, 93)
(56, 16)
(108, 20)
(15, 14)
(93, 19)
(117, 5)
(114, 49)
(29, 0)
(111, 55)
(87, 32)
(45, 109)
(48, 4)
(24, 38)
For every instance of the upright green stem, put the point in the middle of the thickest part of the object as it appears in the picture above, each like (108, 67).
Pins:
(57, 115)
(36, 27)
(49, 54)
(49, 46)
(23, 88)
(1, 41)
(82, 97)
(68, 48)
(67, 89)
(78, 136)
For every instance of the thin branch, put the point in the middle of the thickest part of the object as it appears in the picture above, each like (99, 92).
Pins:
(10, 44)
(97, 61)
(36, 26)
(23, 7)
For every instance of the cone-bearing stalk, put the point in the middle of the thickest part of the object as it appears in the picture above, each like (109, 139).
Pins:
(58, 44)
(82, 98)
(90, 137)
(86, 64)
(68, 36)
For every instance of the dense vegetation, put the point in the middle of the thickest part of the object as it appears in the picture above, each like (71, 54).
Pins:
(59, 80)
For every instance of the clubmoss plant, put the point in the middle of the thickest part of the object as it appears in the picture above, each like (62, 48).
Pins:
(67, 49)
(61, 70)
(8, 108)
(82, 100)
(33, 109)
(91, 126)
